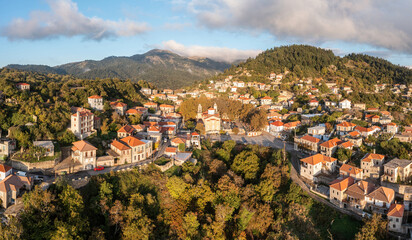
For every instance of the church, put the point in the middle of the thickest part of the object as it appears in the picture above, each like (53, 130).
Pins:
(211, 119)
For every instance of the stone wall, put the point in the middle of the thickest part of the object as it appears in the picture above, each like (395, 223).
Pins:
(164, 168)
(46, 166)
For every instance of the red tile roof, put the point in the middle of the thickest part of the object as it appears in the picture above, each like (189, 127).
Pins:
(95, 97)
(120, 145)
(4, 168)
(350, 169)
(317, 158)
(132, 141)
(396, 210)
(311, 139)
(331, 143)
(83, 146)
(342, 184)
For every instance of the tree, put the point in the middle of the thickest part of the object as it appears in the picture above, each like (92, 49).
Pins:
(374, 228)
(200, 127)
(135, 119)
(191, 225)
(235, 130)
(182, 147)
(247, 164)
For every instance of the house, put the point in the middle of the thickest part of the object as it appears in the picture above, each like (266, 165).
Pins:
(146, 91)
(397, 170)
(166, 108)
(171, 151)
(276, 127)
(149, 105)
(23, 86)
(346, 145)
(317, 131)
(5, 171)
(168, 91)
(313, 103)
(357, 193)
(353, 137)
(126, 130)
(337, 191)
(195, 140)
(121, 152)
(329, 147)
(84, 153)
(211, 119)
(176, 141)
(372, 118)
(345, 104)
(350, 171)
(140, 149)
(95, 102)
(119, 107)
(345, 127)
(361, 106)
(392, 128)
(47, 145)
(365, 132)
(307, 143)
(395, 217)
(266, 100)
(291, 125)
(11, 188)
(380, 199)
(182, 157)
(7, 147)
(82, 123)
(372, 165)
(311, 166)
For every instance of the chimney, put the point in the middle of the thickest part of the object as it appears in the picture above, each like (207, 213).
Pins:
(374, 151)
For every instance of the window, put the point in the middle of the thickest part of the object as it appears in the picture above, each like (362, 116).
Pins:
(397, 220)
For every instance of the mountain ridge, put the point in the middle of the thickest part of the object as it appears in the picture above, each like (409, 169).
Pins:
(163, 68)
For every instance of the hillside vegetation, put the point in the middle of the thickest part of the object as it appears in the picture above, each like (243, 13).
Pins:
(302, 61)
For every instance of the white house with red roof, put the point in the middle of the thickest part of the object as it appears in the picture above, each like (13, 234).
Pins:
(119, 107)
(151, 105)
(307, 143)
(84, 153)
(23, 86)
(380, 199)
(95, 102)
(372, 165)
(5, 171)
(347, 170)
(266, 100)
(276, 127)
(311, 166)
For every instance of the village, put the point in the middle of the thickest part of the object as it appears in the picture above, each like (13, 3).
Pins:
(378, 183)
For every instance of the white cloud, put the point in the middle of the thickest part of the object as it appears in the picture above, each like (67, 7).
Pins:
(380, 23)
(215, 53)
(64, 19)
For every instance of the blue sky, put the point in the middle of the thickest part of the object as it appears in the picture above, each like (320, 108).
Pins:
(55, 32)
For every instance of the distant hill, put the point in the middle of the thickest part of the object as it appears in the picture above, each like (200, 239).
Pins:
(302, 61)
(162, 68)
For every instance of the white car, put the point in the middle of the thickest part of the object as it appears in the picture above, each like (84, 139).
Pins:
(21, 174)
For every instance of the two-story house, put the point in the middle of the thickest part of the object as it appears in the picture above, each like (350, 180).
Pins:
(357, 194)
(352, 171)
(307, 143)
(395, 217)
(311, 166)
(329, 147)
(380, 199)
(11, 188)
(337, 191)
(372, 165)
(345, 104)
(95, 102)
(126, 130)
(397, 170)
(84, 153)
(345, 127)
(119, 107)
(7, 147)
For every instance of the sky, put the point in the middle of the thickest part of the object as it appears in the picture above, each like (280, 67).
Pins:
(54, 32)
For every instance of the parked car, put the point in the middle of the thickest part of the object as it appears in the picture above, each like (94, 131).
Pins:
(38, 178)
(21, 174)
(98, 168)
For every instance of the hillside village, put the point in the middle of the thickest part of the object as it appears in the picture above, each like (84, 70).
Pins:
(356, 155)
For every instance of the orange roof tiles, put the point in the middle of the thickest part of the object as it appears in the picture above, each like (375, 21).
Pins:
(346, 124)
(350, 169)
(370, 156)
(396, 210)
(83, 146)
(383, 194)
(126, 129)
(178, 140)
(354, 134)
(347, 144)
(331, 143)
(132, 141)
(342, 184)
(171, 150)
(120, 145)
(310, 139)
(277, 123)
(95, 97)
(317, 158)
(4, 168)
